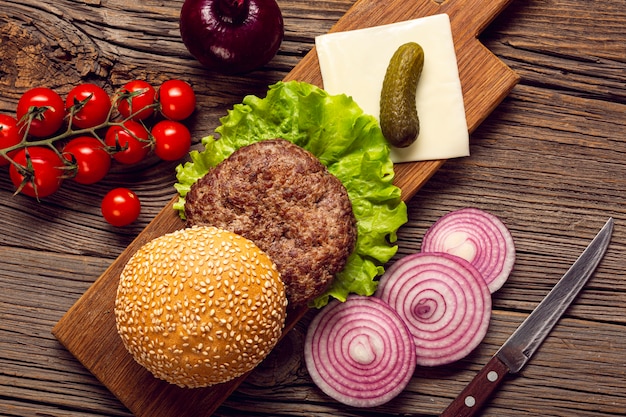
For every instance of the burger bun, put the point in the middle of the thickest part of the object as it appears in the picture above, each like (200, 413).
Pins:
(200, 306)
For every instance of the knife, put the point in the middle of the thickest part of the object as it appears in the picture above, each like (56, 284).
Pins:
(519, 348)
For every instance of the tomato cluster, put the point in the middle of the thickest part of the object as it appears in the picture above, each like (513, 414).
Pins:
(51, 139)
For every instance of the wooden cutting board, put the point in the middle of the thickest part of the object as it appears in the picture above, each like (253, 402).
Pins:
(88, 330)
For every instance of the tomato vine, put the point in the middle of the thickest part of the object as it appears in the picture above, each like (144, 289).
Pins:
(51, 140)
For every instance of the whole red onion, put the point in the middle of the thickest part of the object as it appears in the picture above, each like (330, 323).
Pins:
(232, 36)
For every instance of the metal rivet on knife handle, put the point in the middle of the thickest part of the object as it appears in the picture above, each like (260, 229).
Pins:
(478, 391)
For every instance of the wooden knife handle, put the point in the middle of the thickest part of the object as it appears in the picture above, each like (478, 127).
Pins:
(476, 393)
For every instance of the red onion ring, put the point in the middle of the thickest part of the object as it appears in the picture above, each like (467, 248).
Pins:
(444, 301)
(478, 237)
(359, 352)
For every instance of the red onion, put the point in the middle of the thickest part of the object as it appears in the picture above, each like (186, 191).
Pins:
(359, 352)
(232, 36)
(478, 237)
(443, 300)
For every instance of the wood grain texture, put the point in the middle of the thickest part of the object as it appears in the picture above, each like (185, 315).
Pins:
(550, 161)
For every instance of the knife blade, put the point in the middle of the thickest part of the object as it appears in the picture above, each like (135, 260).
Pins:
(525, 341)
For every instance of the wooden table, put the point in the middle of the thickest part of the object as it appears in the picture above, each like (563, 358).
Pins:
(550, 162)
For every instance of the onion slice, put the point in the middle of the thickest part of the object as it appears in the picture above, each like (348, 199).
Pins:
(444, 301)
(359, 352)
(478, 237)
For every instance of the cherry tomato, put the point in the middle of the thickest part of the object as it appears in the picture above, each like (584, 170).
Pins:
(91, 159)
(131, 149)
(120, 207)
(9, 136)
(146, 96)
(177, 99)
(48, 169)
(49, 111)
(95, 109)
(172, 140)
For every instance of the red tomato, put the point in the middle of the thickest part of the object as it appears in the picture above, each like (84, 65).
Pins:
(91, 159)
(143, 95)
(92, 102)
(120, 207)
(46, 175)
(9, 135)
(48, 111)
(172, 140)
(177, 99)
(131, 142)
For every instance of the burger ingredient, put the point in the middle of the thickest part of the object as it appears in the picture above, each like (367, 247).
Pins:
(281, 197)
(478, 237)
(130, 142)
(90, 114)
(136, 100)
(172, 140)
(89, 157)
(442, 298)
(444, 301)
(91, 103)
(359, 352)
(351, 146)
(443, 126)
(120, 207)
(40, 112)
(232, 36)
(199, 306)
(398, 113)
(37, 171)
(177, 99)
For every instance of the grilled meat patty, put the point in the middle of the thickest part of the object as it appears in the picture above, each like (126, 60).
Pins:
(283, 198)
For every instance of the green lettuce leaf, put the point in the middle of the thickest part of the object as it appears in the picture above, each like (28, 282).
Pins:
(347, 141)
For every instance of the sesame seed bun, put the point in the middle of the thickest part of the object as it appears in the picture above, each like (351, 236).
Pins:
(200, 306)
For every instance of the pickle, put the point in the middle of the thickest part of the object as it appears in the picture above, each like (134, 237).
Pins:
(399, 121)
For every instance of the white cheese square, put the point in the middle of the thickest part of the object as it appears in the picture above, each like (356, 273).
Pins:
(354, 63)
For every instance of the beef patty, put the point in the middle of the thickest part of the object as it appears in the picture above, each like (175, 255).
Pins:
(283, 198)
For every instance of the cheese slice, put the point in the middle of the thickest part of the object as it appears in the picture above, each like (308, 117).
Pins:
(354, 63)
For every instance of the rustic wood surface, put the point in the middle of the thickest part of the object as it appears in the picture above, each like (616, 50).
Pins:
(549, 161)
